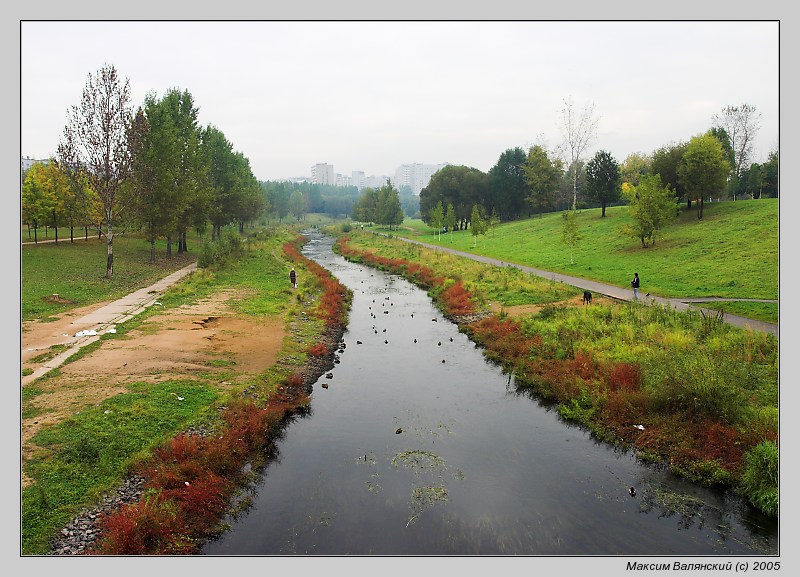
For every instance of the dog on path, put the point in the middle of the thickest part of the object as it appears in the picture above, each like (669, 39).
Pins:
(587, 297)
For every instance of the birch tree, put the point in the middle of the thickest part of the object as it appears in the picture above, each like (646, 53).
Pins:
(95, 145)
(579, 130)
(741, 123)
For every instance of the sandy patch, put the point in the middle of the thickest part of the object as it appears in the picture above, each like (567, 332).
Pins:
(521, 310)
(204, 337)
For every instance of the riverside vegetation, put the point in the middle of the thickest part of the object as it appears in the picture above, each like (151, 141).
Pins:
(195, 456)
(683, 390)
(704, 394)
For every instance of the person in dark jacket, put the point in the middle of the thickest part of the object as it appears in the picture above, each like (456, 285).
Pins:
(293, 278)
(635, 285)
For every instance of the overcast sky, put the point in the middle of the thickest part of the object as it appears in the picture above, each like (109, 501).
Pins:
(373, 95)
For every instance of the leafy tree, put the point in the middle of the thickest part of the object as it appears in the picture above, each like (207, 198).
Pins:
(665, 163)
(740, 123)
(603, 179)
(477, 223)
(230, 181)
(37, 200)
(771, 175)
(634, 166)
(297, 204)
(366, 209)
(579, 130)
(703, 170)
(508, 189)
(436, 218)
(450, 219)
(651, 205)
(543, 175)
(462, 186)
(389, 211)
(95, 145)
(570, 234)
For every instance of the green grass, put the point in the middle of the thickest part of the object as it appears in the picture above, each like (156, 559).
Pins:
(76, 272)
(90, 452)
(752, 310)
(732, 252)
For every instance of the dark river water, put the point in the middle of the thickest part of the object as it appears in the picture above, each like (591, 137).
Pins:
(419, 446)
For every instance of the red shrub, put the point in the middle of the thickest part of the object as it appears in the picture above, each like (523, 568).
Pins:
(202, 500)
(150, 527)
(318, 350)
(625, 376)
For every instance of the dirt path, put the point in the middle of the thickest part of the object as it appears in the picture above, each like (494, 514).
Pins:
(203, 337)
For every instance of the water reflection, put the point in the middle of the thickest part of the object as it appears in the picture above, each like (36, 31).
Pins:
(418, 446)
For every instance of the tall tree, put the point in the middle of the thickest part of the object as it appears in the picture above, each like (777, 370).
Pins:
(602, 179)
(651, 205)
(389, 210)
(477, 223)
(366, 209)
(508, 189)
(771, 174)
(436, 218)
(450, 219)
(542, 175)
(703, 170)
(634, 167)
(665, 163)
(741, 123)
(579, 130)
(297, 204)
(37, 199)
(95, 144)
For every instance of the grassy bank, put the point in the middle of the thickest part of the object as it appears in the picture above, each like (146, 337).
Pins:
(76, 273)
(681, 389)
(732, 252)
(191, 478)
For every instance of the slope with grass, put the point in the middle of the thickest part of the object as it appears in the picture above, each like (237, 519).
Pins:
(731, 253)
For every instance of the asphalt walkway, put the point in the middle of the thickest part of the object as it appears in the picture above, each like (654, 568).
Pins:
(91, 327)
(612, 291)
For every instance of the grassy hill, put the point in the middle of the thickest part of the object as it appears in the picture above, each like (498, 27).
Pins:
(731, 253)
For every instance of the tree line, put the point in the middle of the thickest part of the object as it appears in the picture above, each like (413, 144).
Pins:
(156, 170)
(522, 184)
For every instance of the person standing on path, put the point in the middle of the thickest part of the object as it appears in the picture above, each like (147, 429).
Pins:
(293, 278)
(635, 285)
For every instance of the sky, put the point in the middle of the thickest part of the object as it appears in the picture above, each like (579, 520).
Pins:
(373, 95)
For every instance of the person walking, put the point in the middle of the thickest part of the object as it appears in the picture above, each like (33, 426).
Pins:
(293, 278)
(635, 285)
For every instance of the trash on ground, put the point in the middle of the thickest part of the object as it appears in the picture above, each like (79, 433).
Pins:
(86, 333)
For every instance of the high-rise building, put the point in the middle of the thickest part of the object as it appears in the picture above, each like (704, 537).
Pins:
(359, 179)
(322, 173)
(415, 175)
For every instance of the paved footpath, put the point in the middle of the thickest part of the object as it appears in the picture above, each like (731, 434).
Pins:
(611, 290)
(91, 327)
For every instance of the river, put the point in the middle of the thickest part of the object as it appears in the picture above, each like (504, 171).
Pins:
(417, 445)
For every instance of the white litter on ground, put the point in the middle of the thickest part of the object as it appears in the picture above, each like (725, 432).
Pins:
(86, 333)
